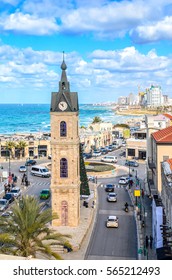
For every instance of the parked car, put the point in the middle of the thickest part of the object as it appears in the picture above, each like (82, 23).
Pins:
(87, 155)
(9, 196)
(132, 163)
(109, 149)
(4, 203)
(96, 153)
(112, 197)
(7, 214)
(112, 221)
(109, 188)
(123, 181)
(103, 151)
(22, 168)
(45, 194)
(49, 156)
(30, 162)
(91, 178)
(16, 192)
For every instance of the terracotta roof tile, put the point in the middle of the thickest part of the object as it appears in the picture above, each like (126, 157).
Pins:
(163, 135)
(168, 116)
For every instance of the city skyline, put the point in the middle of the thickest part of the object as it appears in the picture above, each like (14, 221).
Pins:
(112, 48)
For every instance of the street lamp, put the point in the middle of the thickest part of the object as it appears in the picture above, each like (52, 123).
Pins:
(27, 172)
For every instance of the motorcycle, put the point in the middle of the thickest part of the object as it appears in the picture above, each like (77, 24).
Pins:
(126, 207)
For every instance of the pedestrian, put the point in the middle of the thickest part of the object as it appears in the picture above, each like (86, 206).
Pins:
(143, 193)
(147, 241)
(151, 241)
(5, 188)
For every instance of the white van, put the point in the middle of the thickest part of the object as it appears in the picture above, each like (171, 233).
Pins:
(109, 159)
(41, 171)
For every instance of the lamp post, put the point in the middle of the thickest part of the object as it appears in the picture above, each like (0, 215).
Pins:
(27, 172)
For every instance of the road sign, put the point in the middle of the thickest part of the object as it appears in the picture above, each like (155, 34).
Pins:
(136, 192)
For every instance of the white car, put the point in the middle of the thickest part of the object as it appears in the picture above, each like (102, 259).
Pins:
(96, 154)
(112, 197)
(16, 192)
(112, 221)
(123, 181)
(22, 168)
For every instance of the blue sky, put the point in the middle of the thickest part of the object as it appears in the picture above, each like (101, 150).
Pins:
(112, 48)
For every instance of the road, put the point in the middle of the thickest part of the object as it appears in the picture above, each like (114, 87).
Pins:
(113, 243)
(36, 183)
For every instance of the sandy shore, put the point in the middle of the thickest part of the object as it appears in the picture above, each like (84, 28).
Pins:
(136, 113)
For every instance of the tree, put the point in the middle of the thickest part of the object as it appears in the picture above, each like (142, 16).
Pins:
(10, 145)
(21, 145)
(97, 119)
(84, 187)
(26, 231)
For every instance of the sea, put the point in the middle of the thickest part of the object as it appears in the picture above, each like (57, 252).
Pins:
(33, 118)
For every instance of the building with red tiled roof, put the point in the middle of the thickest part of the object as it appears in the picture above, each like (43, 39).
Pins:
(161, 150)
(163, 135)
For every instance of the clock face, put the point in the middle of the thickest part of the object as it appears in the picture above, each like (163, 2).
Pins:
(62, 105)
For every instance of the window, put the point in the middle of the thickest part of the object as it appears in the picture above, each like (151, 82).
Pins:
(63, 168)
(131, 152)
(63, 129)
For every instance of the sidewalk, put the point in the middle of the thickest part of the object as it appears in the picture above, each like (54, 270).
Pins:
(146, 230)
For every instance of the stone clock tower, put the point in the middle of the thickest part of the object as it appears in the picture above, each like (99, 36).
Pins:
(65, 180)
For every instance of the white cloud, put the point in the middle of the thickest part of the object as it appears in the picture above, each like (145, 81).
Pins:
(154, 31)
(104, 70)
(28, 24)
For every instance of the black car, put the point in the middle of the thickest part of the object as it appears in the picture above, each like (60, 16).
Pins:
(9, 197)
(30, 162)
(109, 188)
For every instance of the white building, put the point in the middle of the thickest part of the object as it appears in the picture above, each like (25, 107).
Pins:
(154, 96)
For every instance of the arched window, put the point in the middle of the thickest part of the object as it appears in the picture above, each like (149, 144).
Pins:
(63, 168)
(63, 129)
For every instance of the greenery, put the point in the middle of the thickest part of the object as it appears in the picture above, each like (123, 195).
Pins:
(21, 145)
(121, 125)
(97, 119)
(98, 167)
(84, 187)
(26, 232)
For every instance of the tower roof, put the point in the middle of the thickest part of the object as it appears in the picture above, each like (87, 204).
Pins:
(64, 94)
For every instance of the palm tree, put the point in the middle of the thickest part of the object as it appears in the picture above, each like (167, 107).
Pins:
(26, 231)
(21, 145)
(97, 119)
(10, 145)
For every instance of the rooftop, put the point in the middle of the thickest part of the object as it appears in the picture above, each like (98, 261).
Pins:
(163, 135)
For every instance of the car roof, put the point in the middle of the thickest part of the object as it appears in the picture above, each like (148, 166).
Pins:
(112, 217)
(16, 189)
(123, 178)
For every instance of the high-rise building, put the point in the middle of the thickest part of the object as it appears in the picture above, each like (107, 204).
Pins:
(154, 96)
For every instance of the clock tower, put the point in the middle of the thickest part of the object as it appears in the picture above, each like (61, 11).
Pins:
(65, 178)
